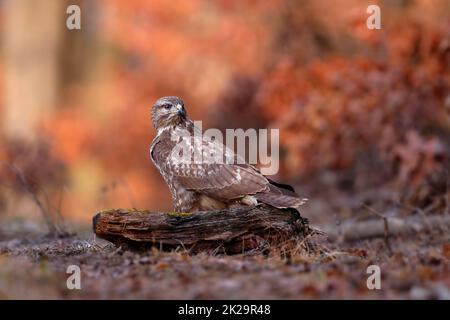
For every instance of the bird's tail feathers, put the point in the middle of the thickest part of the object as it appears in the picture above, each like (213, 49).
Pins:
(278, 198)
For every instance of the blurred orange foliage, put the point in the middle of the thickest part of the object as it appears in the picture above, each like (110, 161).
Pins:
(370, 106)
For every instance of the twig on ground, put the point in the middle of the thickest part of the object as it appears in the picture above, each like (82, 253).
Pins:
(386, 226)
(53, 227)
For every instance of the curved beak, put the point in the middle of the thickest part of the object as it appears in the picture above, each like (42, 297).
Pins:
(181, 111)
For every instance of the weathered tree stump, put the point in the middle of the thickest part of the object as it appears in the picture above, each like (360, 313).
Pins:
(231, 231)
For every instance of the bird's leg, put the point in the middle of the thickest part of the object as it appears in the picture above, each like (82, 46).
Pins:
(249, 201)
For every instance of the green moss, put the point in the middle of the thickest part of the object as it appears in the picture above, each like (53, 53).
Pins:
(107, 211)
(179, 214)
(145, 211)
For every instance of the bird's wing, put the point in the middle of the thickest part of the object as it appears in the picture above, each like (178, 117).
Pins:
(222, 181)
(226, 179)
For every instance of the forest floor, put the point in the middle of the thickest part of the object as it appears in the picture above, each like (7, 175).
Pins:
(33, 265)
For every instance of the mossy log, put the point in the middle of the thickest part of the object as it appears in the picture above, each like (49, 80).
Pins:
(231, 231)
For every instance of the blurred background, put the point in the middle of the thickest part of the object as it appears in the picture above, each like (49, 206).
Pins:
(363, 114)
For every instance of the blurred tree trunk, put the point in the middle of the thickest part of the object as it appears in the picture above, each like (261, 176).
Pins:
(32, 33)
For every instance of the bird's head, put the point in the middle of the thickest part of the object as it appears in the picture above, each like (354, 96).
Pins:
(168, 111)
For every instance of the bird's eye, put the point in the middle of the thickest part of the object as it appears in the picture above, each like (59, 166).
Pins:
(167, 106)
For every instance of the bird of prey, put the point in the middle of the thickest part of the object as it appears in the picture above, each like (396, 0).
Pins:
(201, 186)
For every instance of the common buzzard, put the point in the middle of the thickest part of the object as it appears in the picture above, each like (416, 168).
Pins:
(207, 185)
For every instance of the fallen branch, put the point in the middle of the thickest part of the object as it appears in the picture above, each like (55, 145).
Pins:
(351, 230)
(231, 231)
